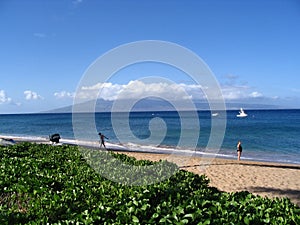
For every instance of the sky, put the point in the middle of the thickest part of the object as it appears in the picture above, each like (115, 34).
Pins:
(251, 47)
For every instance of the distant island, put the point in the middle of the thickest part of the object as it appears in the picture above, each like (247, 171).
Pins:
(156, 104)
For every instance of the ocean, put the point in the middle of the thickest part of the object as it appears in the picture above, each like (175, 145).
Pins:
(266, 135)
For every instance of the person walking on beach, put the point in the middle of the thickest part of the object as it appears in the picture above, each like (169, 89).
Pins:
(239, 150)
(102, 137)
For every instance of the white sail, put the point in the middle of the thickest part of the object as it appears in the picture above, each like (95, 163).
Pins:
(242, 113)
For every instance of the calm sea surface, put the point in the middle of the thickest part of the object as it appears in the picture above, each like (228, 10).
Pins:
(267, 135)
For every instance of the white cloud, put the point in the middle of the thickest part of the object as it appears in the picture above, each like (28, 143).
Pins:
(194, 90)
(136, 89)
(31, 95)
(107, 91)
(4, 98)
(234, 92)
(255, 94)
(63, 94)
(234, 89)
(240, 93)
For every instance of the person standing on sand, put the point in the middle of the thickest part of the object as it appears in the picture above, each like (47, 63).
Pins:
(102, 140)
(239, 150)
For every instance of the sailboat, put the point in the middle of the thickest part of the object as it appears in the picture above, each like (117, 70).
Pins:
(242, 113)
(215, 114)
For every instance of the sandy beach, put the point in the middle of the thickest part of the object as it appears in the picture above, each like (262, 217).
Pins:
(260, 178)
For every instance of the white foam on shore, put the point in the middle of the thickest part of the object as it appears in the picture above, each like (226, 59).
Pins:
(111, 146)
(132, 147)
(26, 138)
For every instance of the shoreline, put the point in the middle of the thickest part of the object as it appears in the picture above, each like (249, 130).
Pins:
(145, 149)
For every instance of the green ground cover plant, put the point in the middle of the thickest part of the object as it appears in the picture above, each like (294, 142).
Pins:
(42, 184)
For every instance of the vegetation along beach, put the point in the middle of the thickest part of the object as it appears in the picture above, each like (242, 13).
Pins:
(41, 183)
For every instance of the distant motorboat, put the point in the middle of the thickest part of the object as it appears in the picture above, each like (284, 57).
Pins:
(215, 114)
(242, 113)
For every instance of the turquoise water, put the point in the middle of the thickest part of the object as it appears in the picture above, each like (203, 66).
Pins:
(267, 135)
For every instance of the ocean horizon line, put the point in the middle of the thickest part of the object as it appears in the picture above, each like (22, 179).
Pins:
(150, 111)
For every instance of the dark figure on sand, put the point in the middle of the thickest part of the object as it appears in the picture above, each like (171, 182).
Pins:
(54, 138)
(239, 150)
(102, 140)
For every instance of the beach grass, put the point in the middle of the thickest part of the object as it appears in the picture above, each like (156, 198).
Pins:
(54, 184)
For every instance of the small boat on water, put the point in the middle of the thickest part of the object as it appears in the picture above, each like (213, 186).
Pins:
(242, 113)
(215, 114)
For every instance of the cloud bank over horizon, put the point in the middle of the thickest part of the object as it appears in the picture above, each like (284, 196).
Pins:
(137, 89)
(233, 92)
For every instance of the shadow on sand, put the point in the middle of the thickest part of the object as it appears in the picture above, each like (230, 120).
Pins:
(292, 194)
(260, 164)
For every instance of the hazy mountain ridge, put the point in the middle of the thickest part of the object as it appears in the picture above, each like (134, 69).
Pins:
(155, 105)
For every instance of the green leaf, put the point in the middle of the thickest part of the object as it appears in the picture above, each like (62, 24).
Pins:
(163, 220)
(184, 221)
(144, 207)
(188, 216)
(206, 222)
(130, 209)
(135, 219)
(155, 215)
(246, 220)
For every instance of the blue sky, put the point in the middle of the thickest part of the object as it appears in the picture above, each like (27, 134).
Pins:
(252, 47)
